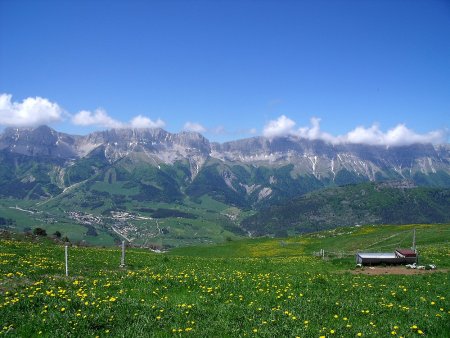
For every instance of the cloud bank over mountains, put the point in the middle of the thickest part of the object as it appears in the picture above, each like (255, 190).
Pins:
(144, 122)
(97, 118)
(194, 126)
(34, 111)
(400, 135)
(101, 119)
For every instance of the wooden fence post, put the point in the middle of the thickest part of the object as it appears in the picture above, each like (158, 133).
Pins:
(66, 254)
(122, 260)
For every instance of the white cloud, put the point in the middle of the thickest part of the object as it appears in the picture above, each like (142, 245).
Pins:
(398, 136)
(99, 118)
(372, 135)
(32, 111)
(194, 126)
(144, 122)
(280, 127)
(314, 133)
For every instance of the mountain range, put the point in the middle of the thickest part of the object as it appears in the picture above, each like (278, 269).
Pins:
(119, 169)
(260, 167)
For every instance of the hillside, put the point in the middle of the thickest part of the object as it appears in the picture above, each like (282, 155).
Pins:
(432, 242)
(367, 203)
(171, 224)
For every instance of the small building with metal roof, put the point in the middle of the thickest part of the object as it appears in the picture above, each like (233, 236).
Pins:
(399, 256)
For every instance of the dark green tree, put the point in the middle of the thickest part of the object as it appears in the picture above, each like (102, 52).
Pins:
(39, 232)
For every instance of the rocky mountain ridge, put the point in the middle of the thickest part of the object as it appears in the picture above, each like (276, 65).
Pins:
(314, 157)
(242, 172)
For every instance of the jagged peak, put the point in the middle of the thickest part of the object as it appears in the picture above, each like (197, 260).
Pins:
(228, 144)
(27, 130)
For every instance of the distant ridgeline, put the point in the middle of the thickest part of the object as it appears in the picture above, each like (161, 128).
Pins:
(134, 169)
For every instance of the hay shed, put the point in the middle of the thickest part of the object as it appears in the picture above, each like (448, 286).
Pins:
(399, 256)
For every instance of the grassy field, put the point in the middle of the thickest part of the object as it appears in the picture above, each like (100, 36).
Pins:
(344, 241)
(251, 288)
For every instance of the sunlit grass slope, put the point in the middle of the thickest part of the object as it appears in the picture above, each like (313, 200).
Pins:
(275, 288)
(344, 241)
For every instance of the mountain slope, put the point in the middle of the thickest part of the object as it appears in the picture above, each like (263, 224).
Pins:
(367, 203)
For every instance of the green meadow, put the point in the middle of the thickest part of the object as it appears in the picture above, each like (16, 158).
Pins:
(248, 288)
(206, 221)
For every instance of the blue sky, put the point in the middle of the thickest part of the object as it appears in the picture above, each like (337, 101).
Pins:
(230, 69)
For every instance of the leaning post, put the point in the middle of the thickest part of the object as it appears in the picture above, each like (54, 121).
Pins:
(66, 255)
(122, 260)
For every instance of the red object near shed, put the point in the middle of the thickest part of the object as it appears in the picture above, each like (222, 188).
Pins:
(405, 253)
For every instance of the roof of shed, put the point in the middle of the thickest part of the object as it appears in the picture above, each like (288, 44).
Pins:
(376, 254)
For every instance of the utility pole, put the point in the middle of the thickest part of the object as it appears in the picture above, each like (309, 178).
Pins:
(414, 240)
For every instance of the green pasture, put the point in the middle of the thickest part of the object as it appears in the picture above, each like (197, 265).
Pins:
(343, 241)
(250, 288)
